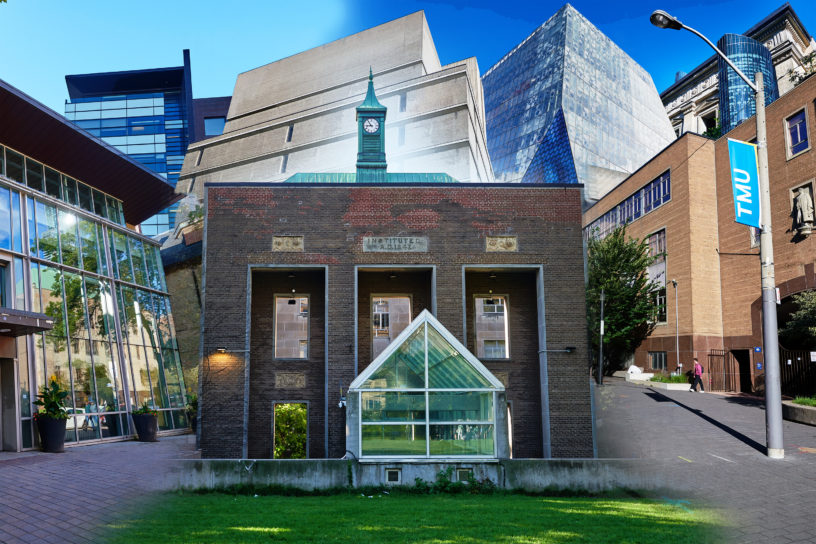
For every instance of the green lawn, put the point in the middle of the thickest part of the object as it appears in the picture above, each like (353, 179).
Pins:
(431, 519)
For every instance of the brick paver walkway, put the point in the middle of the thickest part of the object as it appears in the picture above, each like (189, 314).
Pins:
(69, 497)
(712, 448)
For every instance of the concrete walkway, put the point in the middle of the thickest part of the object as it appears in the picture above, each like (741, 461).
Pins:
(69, 497)
(712, 448)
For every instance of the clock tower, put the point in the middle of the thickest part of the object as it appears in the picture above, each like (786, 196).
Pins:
(371, 165)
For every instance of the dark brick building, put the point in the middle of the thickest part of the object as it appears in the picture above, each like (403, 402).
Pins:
(342, 248)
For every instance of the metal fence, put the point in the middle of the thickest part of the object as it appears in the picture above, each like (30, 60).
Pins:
(797, 372)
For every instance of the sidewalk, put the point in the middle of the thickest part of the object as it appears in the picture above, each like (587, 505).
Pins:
(713, 447)
(68, 497)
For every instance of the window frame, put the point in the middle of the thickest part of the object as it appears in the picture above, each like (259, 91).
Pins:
(371, 316)
(786, 128)
(652, 354)
(287, 296)
(506, 298)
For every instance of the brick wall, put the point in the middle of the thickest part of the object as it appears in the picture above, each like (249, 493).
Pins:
(241, 222)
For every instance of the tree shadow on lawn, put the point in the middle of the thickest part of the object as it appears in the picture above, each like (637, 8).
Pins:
(399, 517)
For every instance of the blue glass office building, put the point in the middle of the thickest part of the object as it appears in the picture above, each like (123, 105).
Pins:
(567, 105)
(736, 97)
(146, 114)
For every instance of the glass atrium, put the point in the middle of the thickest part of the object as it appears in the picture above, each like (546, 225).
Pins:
(112, 344)
(426, 396)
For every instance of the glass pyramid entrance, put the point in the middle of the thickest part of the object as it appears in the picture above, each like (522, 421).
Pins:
(425, 395)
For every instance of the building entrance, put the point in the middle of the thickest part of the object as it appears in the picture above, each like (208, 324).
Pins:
(8, 408)
(743, 359)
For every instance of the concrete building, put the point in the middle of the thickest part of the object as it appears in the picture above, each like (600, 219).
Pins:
(567, 105)
(297, 114)
(82, 294)
(466, 298)
(693, 102)
(149, 115)
(715, 260)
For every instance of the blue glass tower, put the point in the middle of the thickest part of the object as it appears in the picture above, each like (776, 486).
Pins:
(146, 114)
(569, 106)
(736, 97)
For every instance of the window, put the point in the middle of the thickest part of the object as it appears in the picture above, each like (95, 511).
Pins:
(289, 132)
(3, 287)
(403, 104)
(657, 270)
(657, 360)
(214, 126)
(797, 133)
(284, 162)
(390, 314)
(653, 195)
(492, 339)
(291, 326)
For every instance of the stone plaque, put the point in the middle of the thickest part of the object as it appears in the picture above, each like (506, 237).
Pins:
(395, 244)
(503, 377)
(501, 243)
(290, 380)
(287, 243)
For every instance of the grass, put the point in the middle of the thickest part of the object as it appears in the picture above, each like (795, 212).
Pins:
(398, 518)
(805, 401)
(670, 379)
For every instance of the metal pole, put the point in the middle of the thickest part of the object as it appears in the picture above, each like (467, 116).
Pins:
(600, 358)
(770, 338)
(676, 326)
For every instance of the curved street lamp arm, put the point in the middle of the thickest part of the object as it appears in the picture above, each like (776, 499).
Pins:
(725, 58)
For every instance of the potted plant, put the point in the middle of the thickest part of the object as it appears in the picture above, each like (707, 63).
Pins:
(146, 421)
(51, 419)
(192, 411)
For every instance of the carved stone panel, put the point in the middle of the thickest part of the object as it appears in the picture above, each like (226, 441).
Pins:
(287, 243)
(290, 380)
(395, 244)
(501, 243)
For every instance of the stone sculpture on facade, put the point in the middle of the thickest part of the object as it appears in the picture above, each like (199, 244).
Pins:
(803, 211)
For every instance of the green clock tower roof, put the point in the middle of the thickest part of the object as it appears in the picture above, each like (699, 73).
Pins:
(370, 103)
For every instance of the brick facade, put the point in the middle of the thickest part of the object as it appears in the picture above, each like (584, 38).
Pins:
(333, 220)
(711, 256)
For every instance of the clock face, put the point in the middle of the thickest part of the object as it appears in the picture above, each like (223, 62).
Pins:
(371, 125)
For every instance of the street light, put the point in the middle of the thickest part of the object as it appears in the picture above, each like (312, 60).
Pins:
(773, 393)
(676, 326)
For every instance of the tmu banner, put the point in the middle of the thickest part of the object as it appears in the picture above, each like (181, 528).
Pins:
(745, 182)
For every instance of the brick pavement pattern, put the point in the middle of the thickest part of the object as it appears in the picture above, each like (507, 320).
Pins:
(713, 447)
(70, 497)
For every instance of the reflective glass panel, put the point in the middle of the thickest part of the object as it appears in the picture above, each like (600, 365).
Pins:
(36, 306)
(461, 439)
(140, 388)
(75, 305)
(5, 218)
(32, 226)
(491, 327)
(447, 368)
(47, 231)
(16, 223)
(120, 254)
(138, 260)
(392, 406)
(90, 246)
(113, 425)
(19, 286)
(455, 406)
(69, 190)
(393, 440)
(53, 184)
(51, 296)
(389, 317)
(108, 384)
(68, 238)
(85, 198)
(34, 174)
(403, 369)
(25, 383)
(14, 166)
(99, 204)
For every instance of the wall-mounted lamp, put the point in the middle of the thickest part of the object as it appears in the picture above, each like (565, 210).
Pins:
(568, 349)
(492, 275)
(223, 350)
(292, 300)
(291, 275)
(392, 276)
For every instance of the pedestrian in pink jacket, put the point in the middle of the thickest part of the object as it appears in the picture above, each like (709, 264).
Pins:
(698, 377)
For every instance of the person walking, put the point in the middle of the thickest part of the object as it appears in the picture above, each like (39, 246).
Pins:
(697, 374)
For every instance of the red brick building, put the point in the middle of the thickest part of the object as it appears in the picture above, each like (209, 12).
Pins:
(713, 259)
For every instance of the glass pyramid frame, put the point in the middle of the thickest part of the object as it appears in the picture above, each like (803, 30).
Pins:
(426, 396)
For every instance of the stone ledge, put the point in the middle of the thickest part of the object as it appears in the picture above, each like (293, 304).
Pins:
(799, 413)
(661, 385)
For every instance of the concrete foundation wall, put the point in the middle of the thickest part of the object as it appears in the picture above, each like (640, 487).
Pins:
(591, 475)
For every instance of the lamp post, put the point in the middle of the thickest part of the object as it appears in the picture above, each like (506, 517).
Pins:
(770, 339)
(676, 327)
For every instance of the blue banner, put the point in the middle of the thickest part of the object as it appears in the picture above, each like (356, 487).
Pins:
(745, 182)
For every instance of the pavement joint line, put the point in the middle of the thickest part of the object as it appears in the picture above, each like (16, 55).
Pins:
(723, 458)
(684, 459)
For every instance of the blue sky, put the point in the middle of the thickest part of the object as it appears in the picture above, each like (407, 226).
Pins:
(46, 39)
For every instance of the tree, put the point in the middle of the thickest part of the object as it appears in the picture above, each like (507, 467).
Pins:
(808, 69)
(290, 431)
(800, 330)
(618, 265)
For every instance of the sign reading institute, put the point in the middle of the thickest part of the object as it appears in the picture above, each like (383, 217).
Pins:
(745, 182)
(395, 244)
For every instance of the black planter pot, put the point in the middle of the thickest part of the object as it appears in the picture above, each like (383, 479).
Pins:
(146, 427)
(52, 434)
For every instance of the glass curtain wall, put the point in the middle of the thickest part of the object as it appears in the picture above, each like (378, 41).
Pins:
(85, 274)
